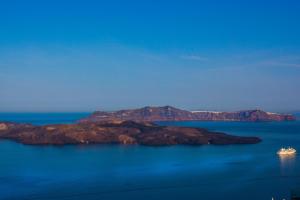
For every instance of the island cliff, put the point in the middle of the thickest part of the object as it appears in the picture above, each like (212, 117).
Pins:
(116, 132)
(169, 113)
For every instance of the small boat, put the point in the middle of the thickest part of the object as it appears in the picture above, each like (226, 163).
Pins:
(286, 151)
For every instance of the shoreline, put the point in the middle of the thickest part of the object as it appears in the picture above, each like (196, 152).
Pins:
(117, 132)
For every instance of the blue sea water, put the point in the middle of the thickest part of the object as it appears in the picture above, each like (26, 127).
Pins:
(137, 172)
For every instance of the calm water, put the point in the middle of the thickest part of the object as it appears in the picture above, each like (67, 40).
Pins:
(136, 172)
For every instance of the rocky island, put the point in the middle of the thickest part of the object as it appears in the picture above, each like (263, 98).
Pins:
(137, 126)
(169, 113)
(116, 132)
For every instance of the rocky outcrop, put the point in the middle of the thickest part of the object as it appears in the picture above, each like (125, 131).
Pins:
(3, 127)
(116, 132)
(169, 113)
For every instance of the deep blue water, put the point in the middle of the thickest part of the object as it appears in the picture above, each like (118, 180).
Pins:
(137, 172)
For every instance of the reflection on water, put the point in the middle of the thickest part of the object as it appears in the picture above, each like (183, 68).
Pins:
(287, 163)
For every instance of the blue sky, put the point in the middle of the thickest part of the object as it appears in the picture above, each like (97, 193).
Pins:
(91, 55)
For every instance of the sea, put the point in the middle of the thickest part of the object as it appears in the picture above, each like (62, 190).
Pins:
(100, 172)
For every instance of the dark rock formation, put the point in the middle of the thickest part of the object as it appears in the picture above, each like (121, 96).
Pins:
(168, 113)
(116, 132)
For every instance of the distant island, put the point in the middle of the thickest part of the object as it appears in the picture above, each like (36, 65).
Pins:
(137, 126)
(169, 113)
(116, 132)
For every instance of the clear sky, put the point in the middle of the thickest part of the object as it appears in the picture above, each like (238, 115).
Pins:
(90, 55)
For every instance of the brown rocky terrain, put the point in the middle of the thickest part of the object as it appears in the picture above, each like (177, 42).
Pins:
(169, 113)
(116, 132)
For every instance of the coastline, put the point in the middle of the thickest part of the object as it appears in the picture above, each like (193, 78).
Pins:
(117, 132)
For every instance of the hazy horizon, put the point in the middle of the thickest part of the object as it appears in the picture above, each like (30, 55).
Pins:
(59, 56)
(128, 108)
